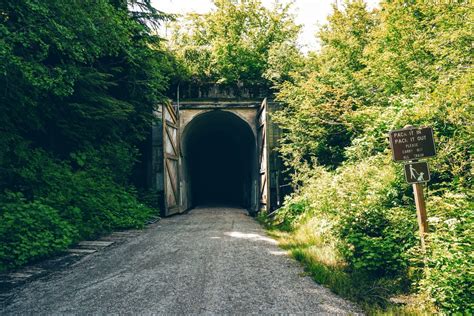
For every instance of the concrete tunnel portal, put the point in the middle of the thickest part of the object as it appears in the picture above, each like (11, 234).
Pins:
(219, 159)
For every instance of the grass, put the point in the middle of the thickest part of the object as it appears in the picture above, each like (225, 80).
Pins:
(311, 245)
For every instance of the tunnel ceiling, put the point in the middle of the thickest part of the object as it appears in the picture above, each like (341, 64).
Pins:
(213, 122)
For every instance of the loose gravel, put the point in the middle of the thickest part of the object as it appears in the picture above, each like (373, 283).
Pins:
(207, 261)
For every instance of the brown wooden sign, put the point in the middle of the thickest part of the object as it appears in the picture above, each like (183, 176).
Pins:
(412, 143)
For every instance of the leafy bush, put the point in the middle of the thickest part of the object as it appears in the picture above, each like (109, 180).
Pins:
(290, 213)
(150, 198)
(77, 204)
(362, 201)
(376, 240)
(31, 230)
(449, 277)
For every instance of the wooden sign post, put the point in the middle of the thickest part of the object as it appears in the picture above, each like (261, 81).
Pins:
(421, 212)
(410, 144)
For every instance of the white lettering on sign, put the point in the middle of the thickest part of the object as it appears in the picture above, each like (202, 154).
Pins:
(401, 134)
(412, 143)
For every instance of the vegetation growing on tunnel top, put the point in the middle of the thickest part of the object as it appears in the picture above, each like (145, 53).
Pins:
(239, 42)
(79, 81)
(405, 63)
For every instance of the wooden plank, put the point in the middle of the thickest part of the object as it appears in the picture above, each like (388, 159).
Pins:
(172, 181)
(170, 110)
(170, 138)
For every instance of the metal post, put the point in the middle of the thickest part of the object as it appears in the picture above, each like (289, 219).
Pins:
(421, 212)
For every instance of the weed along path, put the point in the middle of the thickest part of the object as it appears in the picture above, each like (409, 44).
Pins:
(208, 261)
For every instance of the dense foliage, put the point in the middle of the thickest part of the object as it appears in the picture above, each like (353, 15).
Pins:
(409, 62)
(79, 81)
(238, 42)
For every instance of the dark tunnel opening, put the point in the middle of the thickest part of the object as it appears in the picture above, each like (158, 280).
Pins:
(218, 148)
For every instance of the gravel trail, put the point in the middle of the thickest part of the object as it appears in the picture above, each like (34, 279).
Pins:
(207, 261)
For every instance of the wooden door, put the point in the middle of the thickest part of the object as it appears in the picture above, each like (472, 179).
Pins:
(171, 160)
(263, 157)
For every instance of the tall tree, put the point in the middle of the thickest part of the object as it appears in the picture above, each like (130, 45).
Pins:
(233, 42)
(79, 81)
(320, 98)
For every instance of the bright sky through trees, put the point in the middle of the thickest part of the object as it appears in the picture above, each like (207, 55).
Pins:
(309, 13)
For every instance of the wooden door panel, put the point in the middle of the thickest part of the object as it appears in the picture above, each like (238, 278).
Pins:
(262, 143)
(171, 160)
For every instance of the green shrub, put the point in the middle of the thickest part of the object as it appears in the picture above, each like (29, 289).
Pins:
(449, 277)
(376, 240)
(290, 213)
(102, 204)
(88, 196)
(29, 231)
(150, 198)
(65, 205)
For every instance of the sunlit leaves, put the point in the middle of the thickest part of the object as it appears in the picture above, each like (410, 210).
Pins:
(232, 44)
(408, 62)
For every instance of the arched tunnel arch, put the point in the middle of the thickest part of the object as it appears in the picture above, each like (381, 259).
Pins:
(218, 150)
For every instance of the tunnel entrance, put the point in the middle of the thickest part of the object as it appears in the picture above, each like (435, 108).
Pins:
(218, 155)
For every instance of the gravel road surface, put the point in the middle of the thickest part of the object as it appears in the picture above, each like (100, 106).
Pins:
(208, 261)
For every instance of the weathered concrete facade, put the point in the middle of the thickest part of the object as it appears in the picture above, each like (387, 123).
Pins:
(246, 112)
(216, 151)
